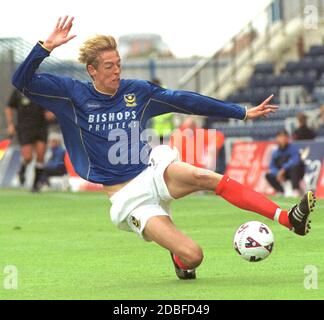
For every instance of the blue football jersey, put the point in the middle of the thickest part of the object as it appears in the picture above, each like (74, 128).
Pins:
(103, 134)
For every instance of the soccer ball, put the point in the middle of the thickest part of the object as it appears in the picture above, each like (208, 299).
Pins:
(254, 241)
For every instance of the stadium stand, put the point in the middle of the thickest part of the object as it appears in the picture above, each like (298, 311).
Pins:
(308, 72)
(305, 75)
(283, 58)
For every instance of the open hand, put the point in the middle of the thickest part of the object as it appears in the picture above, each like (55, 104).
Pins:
(262, 110)
(60, 34)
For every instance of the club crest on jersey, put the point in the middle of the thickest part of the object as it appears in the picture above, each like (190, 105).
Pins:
(130, 100)
(136, 223)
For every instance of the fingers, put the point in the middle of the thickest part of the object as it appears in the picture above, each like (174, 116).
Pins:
(69, 24)
(272, 108)
(65, 23)
(265, 109)
(268, 110)
(58, 22)
(265, 102)
(70, 38)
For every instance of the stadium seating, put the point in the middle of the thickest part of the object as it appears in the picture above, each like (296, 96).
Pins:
(307, 73)
(320, 132)
(316, 51)
(261, 130)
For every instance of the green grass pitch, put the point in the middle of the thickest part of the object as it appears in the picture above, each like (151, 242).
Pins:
(65, 247)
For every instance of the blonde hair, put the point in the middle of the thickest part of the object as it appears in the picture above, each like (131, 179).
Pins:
(93, 47)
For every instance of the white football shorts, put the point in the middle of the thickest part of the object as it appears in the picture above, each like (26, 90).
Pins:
(146, 195)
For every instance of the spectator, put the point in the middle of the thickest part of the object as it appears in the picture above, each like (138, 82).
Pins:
(303, 132)
(31, 129)
(55, 166)
(286, 164)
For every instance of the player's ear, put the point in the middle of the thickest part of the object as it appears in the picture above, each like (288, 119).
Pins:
(91, 70)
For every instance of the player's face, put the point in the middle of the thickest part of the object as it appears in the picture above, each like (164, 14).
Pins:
(107, 74)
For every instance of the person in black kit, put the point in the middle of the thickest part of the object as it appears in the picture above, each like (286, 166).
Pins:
(31, 130)
(286, 164)
(303, 132)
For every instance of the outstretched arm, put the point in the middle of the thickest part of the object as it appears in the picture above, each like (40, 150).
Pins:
(25, 78)
(165, 101)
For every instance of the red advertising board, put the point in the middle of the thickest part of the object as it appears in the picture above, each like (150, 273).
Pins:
(250, 161)
(4, 145)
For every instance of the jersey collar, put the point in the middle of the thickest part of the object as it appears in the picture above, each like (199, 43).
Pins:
(106, 94)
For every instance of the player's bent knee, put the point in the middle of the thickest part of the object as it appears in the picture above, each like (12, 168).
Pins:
(193, 256)
(196, 258)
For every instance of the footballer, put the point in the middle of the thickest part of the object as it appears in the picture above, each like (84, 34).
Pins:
(102, 122)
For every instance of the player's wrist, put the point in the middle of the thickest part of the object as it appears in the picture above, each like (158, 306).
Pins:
(246, 113)
(47, 45)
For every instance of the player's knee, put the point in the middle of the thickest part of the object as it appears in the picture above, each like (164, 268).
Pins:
(196, 257)
(193, 256)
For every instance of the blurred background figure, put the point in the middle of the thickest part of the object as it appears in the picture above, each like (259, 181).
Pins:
(55, 166)
(286, 164)
(31, 129)
(163, 125)
(303, 132)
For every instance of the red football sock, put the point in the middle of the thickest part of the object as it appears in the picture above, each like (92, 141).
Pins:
(248, 199)
(180, 264)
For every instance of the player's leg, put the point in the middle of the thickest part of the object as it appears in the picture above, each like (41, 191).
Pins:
(26, 151)
(272, 180)
(183, 179)
(40, 149)
(186, 254)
